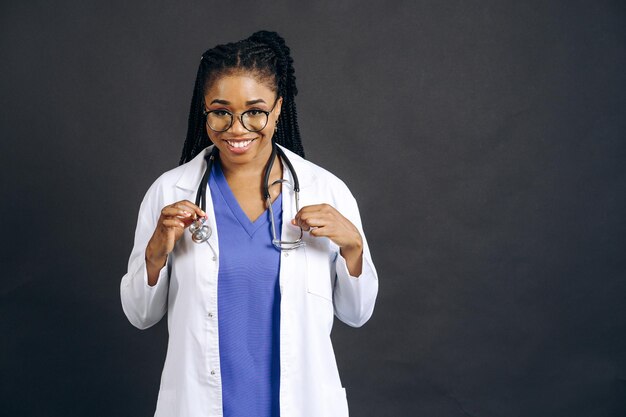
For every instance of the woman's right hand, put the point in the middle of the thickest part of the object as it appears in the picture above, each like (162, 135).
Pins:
(172, 223)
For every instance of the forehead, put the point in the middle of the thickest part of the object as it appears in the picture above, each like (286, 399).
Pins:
(238, 88)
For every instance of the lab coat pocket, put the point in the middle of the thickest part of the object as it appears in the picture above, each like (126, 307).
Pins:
(318, 279)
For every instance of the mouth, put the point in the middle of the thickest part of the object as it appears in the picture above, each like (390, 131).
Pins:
(239, 146)
(238, 143)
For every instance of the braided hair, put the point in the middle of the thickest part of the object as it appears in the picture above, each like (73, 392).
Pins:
(263, 54)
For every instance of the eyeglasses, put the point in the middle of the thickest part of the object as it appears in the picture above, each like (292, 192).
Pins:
(252, 120)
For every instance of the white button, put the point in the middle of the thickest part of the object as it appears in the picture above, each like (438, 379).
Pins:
(286, 254)
(210, 314)
(214, 258)
(212, 372)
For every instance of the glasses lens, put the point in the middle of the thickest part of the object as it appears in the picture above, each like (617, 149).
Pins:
(219, 120)
(254, 120)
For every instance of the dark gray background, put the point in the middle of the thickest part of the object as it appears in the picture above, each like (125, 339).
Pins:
(484, 142)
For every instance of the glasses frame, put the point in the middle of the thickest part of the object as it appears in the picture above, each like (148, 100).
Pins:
(206, 113)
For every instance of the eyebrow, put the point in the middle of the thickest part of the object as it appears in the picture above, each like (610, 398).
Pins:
(248, 103)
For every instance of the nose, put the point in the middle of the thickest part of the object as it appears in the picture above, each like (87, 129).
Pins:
(237, 126)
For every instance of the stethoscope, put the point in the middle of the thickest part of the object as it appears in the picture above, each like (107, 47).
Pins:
(201, 232)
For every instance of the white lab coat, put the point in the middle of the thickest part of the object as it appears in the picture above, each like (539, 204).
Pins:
(314, 283)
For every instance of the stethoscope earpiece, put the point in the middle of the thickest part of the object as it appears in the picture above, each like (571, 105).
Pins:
(200, 232)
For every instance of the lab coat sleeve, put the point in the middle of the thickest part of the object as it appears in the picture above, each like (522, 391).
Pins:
(354, 297)
(144, 305)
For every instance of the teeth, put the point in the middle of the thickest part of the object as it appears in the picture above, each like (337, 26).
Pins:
(239, 144)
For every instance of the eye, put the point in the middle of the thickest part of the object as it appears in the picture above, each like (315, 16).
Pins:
(220, 113)
(255, 113)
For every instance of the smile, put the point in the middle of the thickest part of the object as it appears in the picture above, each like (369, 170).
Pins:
(239, 143)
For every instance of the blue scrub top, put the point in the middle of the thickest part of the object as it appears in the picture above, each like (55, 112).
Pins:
(248, 304)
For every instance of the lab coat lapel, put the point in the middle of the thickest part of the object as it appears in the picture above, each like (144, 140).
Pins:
(294, 262)
(289, 259)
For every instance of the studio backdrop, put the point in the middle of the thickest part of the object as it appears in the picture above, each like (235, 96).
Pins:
(483, 140)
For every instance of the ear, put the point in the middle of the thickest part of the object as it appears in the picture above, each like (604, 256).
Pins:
(279, 106)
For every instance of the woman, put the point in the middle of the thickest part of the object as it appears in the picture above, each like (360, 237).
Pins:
(264, 349)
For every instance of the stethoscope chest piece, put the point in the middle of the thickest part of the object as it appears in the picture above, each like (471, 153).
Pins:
(200, 232)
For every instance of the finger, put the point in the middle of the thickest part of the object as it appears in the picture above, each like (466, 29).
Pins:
(320, 232)
(303, 211)
(193, 213)
(170, 211)
(306, 212)
(172, 223)
(315, 218)
(196, 209)
(191, 207)
(301, 220)
(307, 223)
(314, 209)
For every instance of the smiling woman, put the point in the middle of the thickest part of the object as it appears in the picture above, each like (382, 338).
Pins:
(249, 317)
(241, 128)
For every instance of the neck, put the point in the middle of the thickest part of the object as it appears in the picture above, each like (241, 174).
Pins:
(253, 169)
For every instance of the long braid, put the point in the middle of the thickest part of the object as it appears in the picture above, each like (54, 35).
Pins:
(197, 138)
(194, 124)
(266, 55)
(288, 133)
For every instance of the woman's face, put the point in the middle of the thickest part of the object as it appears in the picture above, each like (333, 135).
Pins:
(237, 93)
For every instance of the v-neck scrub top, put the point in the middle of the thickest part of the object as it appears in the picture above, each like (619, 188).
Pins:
(248, 304)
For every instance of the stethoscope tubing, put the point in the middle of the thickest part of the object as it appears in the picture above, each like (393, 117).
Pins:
(201, 232)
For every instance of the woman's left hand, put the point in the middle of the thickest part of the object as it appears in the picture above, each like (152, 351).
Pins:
(324, 220)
